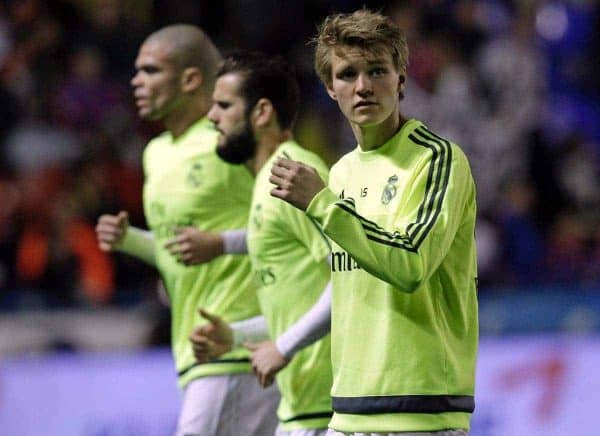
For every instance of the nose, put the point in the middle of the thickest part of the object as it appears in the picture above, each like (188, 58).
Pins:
(212, 115)
(364, 86)
(135, 80)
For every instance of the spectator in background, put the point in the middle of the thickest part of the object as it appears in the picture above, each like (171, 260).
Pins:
(522, 239)
(567, 257)
(57, 255)
(10, 228)
(87, 98)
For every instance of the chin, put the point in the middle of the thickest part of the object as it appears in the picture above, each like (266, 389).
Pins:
(367, 121)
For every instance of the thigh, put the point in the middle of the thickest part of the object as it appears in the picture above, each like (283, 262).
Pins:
(435, 433)
(430, 433)
(202, 403)
(250, 410)
(301, 432)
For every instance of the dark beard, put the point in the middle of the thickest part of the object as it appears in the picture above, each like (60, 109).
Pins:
(238, 148)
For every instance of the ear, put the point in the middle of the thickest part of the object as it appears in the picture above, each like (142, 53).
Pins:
(401, 85)
(191, 79)
(262, 113)
(330, 91)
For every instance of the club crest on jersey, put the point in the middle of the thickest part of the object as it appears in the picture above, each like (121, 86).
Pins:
(193, 179)
(390, 190)
(157, 210)
(257, 216)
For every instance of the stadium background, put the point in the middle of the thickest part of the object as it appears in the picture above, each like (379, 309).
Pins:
(515, 83)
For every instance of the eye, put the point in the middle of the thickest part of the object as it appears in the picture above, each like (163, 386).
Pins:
(149, 69)
(378, 71)
(346, 74)
(223, 104)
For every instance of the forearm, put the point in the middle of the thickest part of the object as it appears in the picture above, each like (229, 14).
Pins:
(313, 325)
(139, 243)
(388, 256)
(249, 330)
(234, 241)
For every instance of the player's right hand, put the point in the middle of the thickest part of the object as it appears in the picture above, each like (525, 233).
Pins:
(111, 229)
(267, 361)
(211, 340)
(295, 182)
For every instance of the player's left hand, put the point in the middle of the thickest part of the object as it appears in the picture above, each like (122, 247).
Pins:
(295, 182)
(267, 361)
(211, 340)
(192, 246)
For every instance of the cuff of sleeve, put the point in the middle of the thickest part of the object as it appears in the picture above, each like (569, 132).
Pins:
(134, 239)
(238, 338)
(285, 348)
(320, 204)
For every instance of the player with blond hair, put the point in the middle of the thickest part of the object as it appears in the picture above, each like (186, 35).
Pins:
(400, 210)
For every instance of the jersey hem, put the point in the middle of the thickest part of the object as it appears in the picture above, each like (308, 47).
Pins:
(400, 422)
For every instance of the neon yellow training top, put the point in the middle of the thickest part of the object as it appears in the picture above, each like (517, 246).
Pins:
(404, 305)
(288, 253)
(187, 184)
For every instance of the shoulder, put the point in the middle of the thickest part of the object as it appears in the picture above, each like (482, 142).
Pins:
(294, 151)
(345, 161)
(433, 148)
(158, 141)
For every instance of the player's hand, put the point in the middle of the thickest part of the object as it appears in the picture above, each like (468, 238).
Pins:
(211, 340)
(295, 182)
(192, 246)
(267, 361)
(111, 229)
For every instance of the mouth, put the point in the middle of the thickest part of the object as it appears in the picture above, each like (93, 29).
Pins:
(139, 101)
(364, 103)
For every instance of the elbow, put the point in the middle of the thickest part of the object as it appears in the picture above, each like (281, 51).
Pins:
(410, 278)
(409, 286)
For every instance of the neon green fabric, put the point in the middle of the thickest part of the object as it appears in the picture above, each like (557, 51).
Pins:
(187, 184)
(288, 253)
(404, 272)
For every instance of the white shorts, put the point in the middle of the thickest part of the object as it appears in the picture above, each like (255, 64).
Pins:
(228, 405)
(409, 433)
(301, 432)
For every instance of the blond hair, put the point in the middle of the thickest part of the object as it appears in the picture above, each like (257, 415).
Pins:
(365, 30)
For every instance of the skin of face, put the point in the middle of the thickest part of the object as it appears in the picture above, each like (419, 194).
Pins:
(157, 82)
(228, 112)
(366, 87)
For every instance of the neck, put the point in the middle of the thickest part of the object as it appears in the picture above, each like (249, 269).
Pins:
(265, 148)
(373, 137)
(181, 118)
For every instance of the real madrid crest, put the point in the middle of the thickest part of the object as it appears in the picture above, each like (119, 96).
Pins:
(157, 210)
(257, 216)
(390, 190)
(194, 176)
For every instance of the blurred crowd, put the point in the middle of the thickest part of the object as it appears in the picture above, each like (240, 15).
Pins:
(515, 83)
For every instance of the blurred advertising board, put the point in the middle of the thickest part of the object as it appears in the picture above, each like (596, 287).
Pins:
(525, 386)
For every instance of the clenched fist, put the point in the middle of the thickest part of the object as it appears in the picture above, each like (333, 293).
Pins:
(295, 182)
(211, 340)
(111, 229)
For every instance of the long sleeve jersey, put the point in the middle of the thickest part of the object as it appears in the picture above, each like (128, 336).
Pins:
(404, 310)
(288, 253)
(187, 184)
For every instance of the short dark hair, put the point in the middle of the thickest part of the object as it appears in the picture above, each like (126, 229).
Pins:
(265, 77)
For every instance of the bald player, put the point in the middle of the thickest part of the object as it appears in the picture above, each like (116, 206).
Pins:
(188, 187)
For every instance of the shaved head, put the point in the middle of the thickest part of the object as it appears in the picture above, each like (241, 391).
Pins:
(189, 47)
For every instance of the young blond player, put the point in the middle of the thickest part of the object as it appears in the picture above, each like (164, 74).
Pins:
(400, 210)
